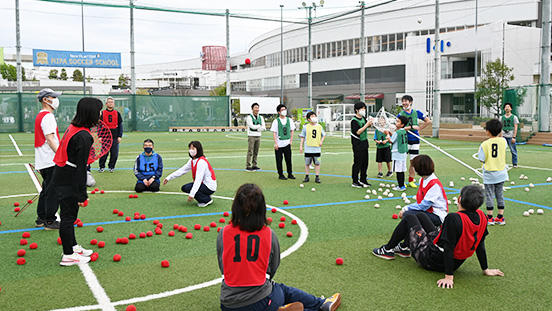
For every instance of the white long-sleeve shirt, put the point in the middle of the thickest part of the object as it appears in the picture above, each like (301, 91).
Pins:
(255, 130)
(433, 198)
(203, 175)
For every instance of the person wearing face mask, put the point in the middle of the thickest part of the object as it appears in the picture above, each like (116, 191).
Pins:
(112, 118)
(312, 136)
(148, 169)
(46, 145)
(282, 129)
(359, 140)
(205, 182)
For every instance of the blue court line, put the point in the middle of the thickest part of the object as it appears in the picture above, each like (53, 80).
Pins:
(527, 203)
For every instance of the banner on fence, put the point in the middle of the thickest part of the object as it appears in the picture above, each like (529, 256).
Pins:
(52, 58)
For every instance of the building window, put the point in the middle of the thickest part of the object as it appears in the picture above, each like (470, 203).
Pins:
(351, 47)
(344, 47)
(334, 50)
(384, 43)
(338, 48)
(376, 43)
(357, 46)
(369, 45)
(400, 41)
(391, 43)
(305, 55)
(328, 50)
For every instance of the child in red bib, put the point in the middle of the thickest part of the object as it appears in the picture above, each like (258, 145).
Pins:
(249, 254)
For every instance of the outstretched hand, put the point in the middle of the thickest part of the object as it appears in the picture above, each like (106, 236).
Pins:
(493, 272)
(165, 181)
(447, 282)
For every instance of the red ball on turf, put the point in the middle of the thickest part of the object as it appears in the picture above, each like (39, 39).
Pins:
(283, 218)
(281, 225)
(171, 233)
(127, 218)
(92, 192)
(158, 231)
(135, 196)
(274, 210)
(206, 228)
(189, 235)
(184, 229)
(213, 224)
(115, 211)
(142, 235)
(21, 261)
(132, 236)
(289, 234)
(16, 204)
(395, 216)
(136, 217)
(197, 226)
(131, 308)
(80, 224)
(116, 257)
(286, 202)
(175, 226)
(118, 241)
(101, 244)
(26, 235)
(165, 264)
(59, 240)
(94, 242)
(218, 229)
(130, 196)
(102, 192)
(294, 222)
(94, 256)
(137, 213)
(124, 240)
(17, 209)
(30, 201)
(23, 242)
(99, 229)
(143, 216)
(21, 252)
(160, 225)
(155, 222)
(120, 213)
(226, 214)
(33, 246)
(222, 220)
(149, 234)
(96, 189)
(339, 261)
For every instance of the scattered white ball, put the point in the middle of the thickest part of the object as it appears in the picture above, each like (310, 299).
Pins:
(531, 211)
(414, 197)
(449, 202)
(380, 190)
(462, 178)
(531, 185)
(473, 182)
(380, 198)
(407, 201)
(392, 185)
(398, 207)
(525, 177)
(451, 184)
(390, 195)
(368, 191)
(388, 186)
(527, 189)
(376, 205)
(403, 195)
(301, 186)
(540, 211)
(512, 183)
(382, 185)
(313, 189)
(374, 192)
(367, 197)
(526, 214)
(549, 179)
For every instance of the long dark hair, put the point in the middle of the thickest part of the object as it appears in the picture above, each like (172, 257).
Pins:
(249, 208)
(199, 148)
(88, 112)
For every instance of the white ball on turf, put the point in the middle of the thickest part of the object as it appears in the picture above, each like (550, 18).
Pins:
(390, 195)
(374, 192)
(527, 189)
(531, 185)
(368, 191)
(367, 197)
(376, 205)
(380, 198)
(313, 189)
(407, 201)
(403, 195)
(414, 197)
(531, 211)
(549, 179)
(301, 186)
(462, 178)
(388, 186)
(540, 211)
(449, 202)
(451, 184)
(526, 213)
(398, 207)
(525, 177)
(380, 190)
(512, 183)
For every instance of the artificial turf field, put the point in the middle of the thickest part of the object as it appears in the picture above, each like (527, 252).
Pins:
(340, 222)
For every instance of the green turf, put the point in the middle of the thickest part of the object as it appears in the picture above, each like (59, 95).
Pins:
(340, 221)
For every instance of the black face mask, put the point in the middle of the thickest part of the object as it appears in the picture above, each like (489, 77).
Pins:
(148, 149)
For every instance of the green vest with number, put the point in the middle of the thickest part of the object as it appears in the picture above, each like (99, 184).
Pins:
(402, 141)
(363, 136)
(284, 131)
(381, 136)
(508, 122)
(412, 117)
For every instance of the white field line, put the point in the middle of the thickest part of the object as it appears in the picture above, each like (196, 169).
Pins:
(97, 290)
(15, 145)
(33, 177)
(103, 305)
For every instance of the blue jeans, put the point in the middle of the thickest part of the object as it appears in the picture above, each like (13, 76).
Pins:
(282, 295)
(513, 149)
(203, 195)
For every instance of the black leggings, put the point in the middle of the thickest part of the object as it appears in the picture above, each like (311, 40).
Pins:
(69, 209)
(403, 228)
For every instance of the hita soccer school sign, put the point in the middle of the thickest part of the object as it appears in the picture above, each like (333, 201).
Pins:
(52, 58)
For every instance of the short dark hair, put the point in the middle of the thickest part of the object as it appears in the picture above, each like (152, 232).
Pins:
(423, 165)
(404, 120)
(509, 104)
(359, 105)
(407, 97)
(149, 141)
(310, 114)
(249, 208)
(472, 197)
(494, 126)
(199, 148)
(280, 107)
(253, 105)
(88, 112)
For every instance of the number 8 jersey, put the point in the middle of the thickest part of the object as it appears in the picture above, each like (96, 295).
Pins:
(495, 154)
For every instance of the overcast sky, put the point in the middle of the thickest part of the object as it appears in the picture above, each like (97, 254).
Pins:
(159, 36)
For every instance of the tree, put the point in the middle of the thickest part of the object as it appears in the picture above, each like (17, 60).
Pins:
(63, 74)
(88, 79)
(219, 90)
(53, 74)
(77, 75)
(9, 72)
(123, 81)
(495, 79)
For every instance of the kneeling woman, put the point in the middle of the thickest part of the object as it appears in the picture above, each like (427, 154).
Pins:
(205, 182)
(70, 177)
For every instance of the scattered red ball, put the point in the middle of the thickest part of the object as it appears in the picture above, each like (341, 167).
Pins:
(175, 226)
(274, 210)
(59, 240)
(218, 229)
(124, 240)
(21, 252)
(80, 224)
(213, 224)
(339, 261)
(131, 308)
(137, 213)
(171, 233)
(165, 264)
(94, 256)
(286, 202)
(155, 222)
(115, 211)
(93, 192)
(142, 235)
(132, 236)
(206, 228)
(117, 257)
(127, 218)
(94, 242)
(26, 235)
(189, 235)
(96, 189)
(30, 201)
(23, 242)
(158, 231)
(160, 225)
(149, 234)
(289, 234)
(17, 209)
(21, 261)
(222, 220)
(99, 229)
(395, 216)
(16, 204)
(102, 192)
(143, 216)
(183, 229)
(33, 246)
(136, 217)
(135, 196)
(130, 196)
(294, 222)
(281, 225)
(197, 226)
(283, 218)
(120, 213)
(101, 244)
(226, 214)
(269, 219)
(118, 241)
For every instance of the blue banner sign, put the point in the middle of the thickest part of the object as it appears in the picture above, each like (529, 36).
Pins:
(51, 58)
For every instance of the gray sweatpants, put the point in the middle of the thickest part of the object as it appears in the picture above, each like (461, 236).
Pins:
(494, 190)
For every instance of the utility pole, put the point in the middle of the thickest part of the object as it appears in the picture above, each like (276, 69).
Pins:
(281, 54)
(19, 71)
(544, 103)
(83, 68)
(362, 52)
(476, 65)
(132, 67)
(310, 57)
(436, 77)
(228, 87)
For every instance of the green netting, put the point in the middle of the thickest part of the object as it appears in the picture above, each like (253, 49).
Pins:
(139, 112)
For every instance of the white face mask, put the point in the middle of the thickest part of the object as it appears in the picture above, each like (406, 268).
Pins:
(54, 103)
(314, 119)
(283, 112)
(362, 113)
(193, 152)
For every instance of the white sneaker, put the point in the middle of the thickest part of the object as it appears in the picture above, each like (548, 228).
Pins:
(77, 249)
(204, 204)
(73, 259)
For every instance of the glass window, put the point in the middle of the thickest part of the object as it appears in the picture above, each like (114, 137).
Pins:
(351, 47)
(323, 53)
(424, 32)
(357, 46)
(344, 48)
(369, 45)
(338, 48)
(384, 43)
(334, 50)
(328, 50)
(376, 43)
(391, 42)
(305, 55)
(400, 41)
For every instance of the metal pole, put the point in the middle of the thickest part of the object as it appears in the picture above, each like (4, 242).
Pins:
(436, 92)
(19, 71)
(281, 54)
(476, 65)
(544, 103)
(228, 87)
(310, 59)
(83, 68)
(362, 52)
(132, 64)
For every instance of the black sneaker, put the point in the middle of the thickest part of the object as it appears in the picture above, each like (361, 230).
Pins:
(356, 185)
(404, 252)
(290, 176)
(365, 183)
(389, 174)
(52, 225)
(249, 169)
(255, 167)
(39, 223)
(380, 175)
(282, 177)
(383, 253)
(307, 179)
(317, 180)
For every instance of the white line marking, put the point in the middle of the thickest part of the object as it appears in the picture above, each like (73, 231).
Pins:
(33, 178)
(15, 145)
(18, 195)
(96, 288)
